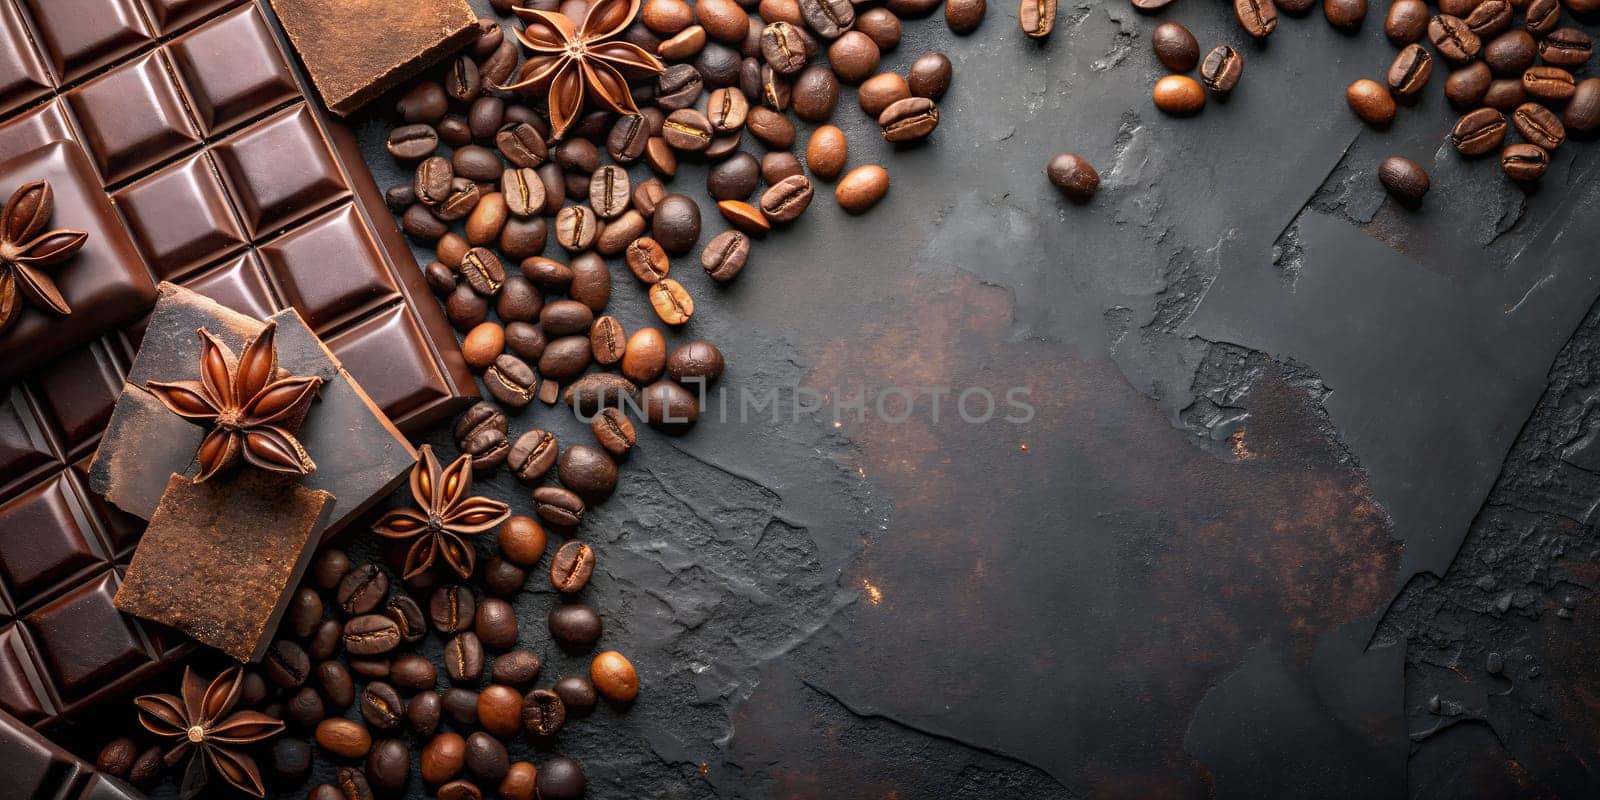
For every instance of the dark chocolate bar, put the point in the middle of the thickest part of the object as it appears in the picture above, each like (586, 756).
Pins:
(34, 767)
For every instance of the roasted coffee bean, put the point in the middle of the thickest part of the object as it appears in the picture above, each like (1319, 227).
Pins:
(516, 668)
(1539, 125)
(745, 217)
(117, 757)
(466, 308)
(525, 340)
(519, 300)
(555, 187)
(853, 56)
(433, 178)
(671, 301)
(1541, 16)
(718, 65)
(548, 275)
(1179, 95)
(1409, 73)
(725, 256)
(463, 198)
(881, 26)
(1566, 47)
(452, 608)
(1221, 69)
(451, 248)
(1489, 19)
(483, 271)
(881, 91)
(370, 668)
(628, 136)
(337, 685)
(1583, 113)
(914, 118)
(687, 130)
(352, 784)
(1407, 22)
(521, 145)
(614, 431)
(724, 20)
(1549, 83)
(370, 635)
(460, 790)
(344, 738)
(577, 694)
(523, 192)
(1524, 162)
(482, 345)
(607, 340)
(486, 115)
(1371, 102)
(828, 18)
(497, 624)
(614, 677)
(487, 758)
(389, 764)
(679, 87)
(557, 506)
(1505, 94)
(461, 80)
(1258, 18)
(617, 234)
(286, 664)
(146, 768)
(786, 201)
(566, 357)
(1466, 86)
(561, 778)
(413, 142)
(609, 192)
(734, 178)
(1346, 15)
(441, 279)
(930, 75)
(964, 16)
(1074, 176)
(413, 673)
(408, 617)
(291, 759)
(520, 782)
(477, 163)
(1037, 17)
(1453, 39)
(423, 713)
(306, 708)
(522, 540)
(424, 102)
(576, 228)
(588, 472)
(253, 688)
(1175, 47)
(647, 195)
(463, 657)
(591, 281)
(565, 318)
(305, 613)
(442, 758)
(646, 356)
(669, 407)
(676, 224)
(510, 381)
(599, 390)
(777, 91)
(381, 706)
(1404, 178)
(502, 578)
(816, 94)
(783, 48)
(575, 626)
(726, 110)
(455, 131)
(420, 223)
(533, 455)
(543, 713)
(1510, 53)
(695, 363)
(684, 45)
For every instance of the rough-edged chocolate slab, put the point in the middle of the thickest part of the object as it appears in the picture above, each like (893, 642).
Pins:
(221, 558)
(359, 454)
(356, 50)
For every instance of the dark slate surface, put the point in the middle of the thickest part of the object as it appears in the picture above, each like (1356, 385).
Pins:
(1304, 508)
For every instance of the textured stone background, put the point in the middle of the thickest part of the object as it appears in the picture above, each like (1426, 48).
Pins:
(1304, 510)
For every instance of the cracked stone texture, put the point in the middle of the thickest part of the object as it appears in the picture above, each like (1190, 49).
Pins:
(1304, 509)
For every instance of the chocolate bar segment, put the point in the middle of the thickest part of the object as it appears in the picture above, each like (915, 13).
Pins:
(356, 50)
(34, 767)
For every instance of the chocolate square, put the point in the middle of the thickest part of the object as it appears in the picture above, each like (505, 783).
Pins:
(21, 692)
(221, 558)
(298, 263)
(356, 50)
(85, 641)
(238, 285)
(180, 217)
(233, 69)
(360, 456)
(43, 540)
(106, 283)
(280, 171)
(82, 35)
(132, 117)
(23, 74)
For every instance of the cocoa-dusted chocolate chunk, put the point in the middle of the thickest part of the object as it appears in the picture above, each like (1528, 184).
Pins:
(359, 456)
(349, 64)
(221, 558)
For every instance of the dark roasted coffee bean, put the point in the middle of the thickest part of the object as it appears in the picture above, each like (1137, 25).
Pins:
(828, 18)
(1539, 125)
(305, 613)
(1371, 102)
(543, 713)
(1406, 23)
(441, 279)
(1346, 15)
(455, 131)
(399, 197)
(1175, 47)
(305, 707)
(1542, 16)
(609, 192)
(389, 764)
(477, 163)
(424, 102)
(487, 758)
(464, 196)
(466, 308)
(591, 281)
(502, 578)
(575, 626)
(555, 187)
(413, 142)
(587, 471)
(146, 768)
(497, 624)
(291, 759)
(286, 664)
(930, 75)
(909, 120)
(718, 65)
(381, 706)
(1453, 39)
(482, 270)
(548, 275)
(525, 340)
(816, 93)
(1505, 94)
(463, 657)
(735, 178)
(1404, 178)
(565, 357)
(1037, 17)
(420, 223)
(679, 87)
(576, 228)
(461, 80)
(460, 790)
(370, 635)
(881, 26)
(695, 363)
(523, 191)
(413, 673)
(783, 48)
(1524, 162)
(370, 668)
(1566, 47)
(614, 431)
(510, 381)
(533, 455)
(351, 782)
(687, 130)
(676, 224)
(519, 300)
(516, 668)
(433, 179)
(577, 695)
(521, 144)
(117, 757)
(628, 136)
(1491, 18)
(595, 391)
(669, 407)
(1510, 53)
(452, 609)
(1549, 83)
(423, 712)
(408, 617)
(1221, 69)
(337, 685)
(1258, 18)
(557, 506)
(561, 778)
(1074, 176)
(1583, 113)
(1409, 73)
(776, 90)
(460, 704)
(565, 318)
(1479, 132)
(786, 201)
(725, 256)
(486, 115)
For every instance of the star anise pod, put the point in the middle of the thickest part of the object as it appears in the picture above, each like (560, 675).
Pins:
(251, 409)
(443, 517)
(574, 61)
(200, 723)
(25, 247)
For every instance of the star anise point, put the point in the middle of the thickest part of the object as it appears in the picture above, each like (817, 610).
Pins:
(26, 247)
(445, 514)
